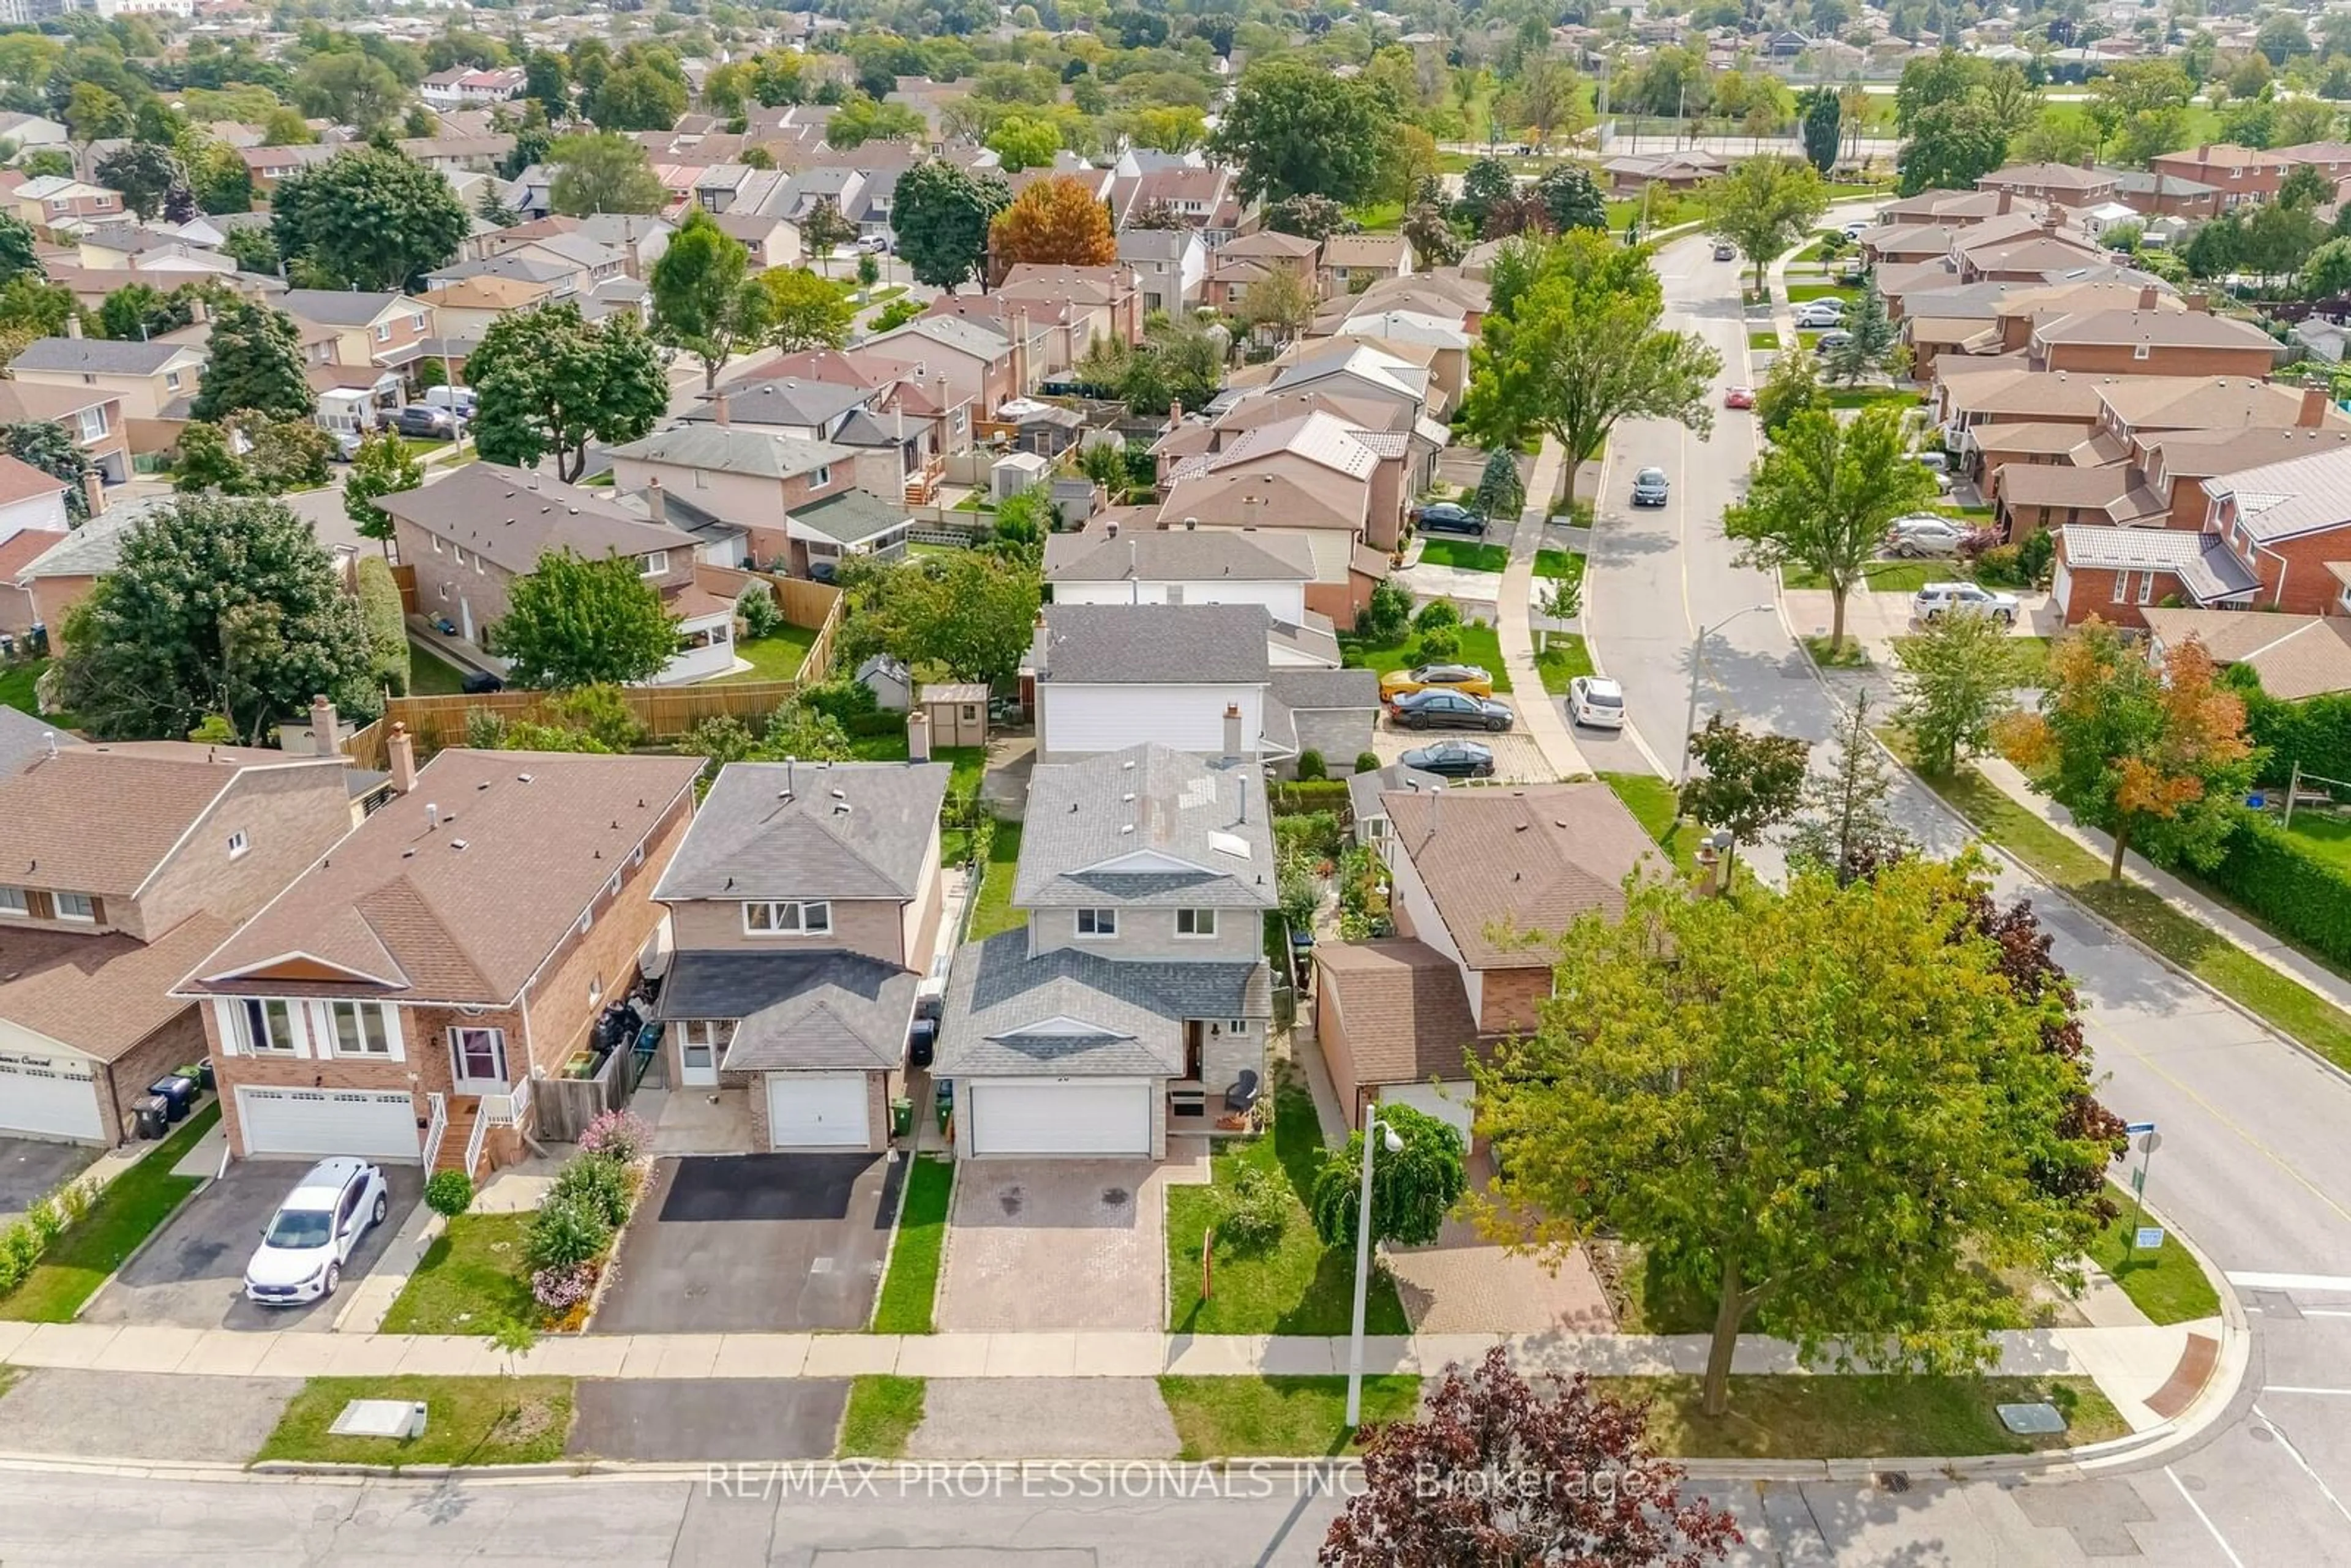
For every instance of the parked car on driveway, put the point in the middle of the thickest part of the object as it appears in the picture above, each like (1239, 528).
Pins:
(1821, 313)
(431, 424)
(1835, 337)
(1451, 518)
(1739, 397)
(1649, 487)
(1939, 599)
(1453, 760)
(1595, 702)
(1439, 708)
(1924, 533)
(1469, 678)
(314, 1232)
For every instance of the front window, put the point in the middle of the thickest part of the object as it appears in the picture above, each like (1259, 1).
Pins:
(266, 1026)
(2147, 588)
(171, 380)
(1097, 922)
(77, 907)
(655, 564)
(93, 424)
(359, 1030)
(14, 901)
(787, 919)
(300, 1229)
(383, 331)
(1196, 922)
(2122, 586)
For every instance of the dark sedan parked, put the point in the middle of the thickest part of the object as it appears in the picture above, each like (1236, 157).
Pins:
(1453, 760)
(425, 421)
(1437, 708)
(1448, 517)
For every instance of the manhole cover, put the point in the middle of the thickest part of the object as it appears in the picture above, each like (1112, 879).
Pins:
(1892, 1480)
(2036, 1419)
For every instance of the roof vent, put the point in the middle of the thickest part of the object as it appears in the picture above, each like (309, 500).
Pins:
(839, 795)
(408, 853)
(1128, 797)
(522, 778)
(486, 783)
(1128, 829)
(1127, 766)
(841, 808)
(432, 816)
(457, 843)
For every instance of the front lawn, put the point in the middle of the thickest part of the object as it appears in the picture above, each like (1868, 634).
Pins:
(1463, 555)
(2166, 1284)
(883, 1413)
(1563, 565)
(1882, 576)
(1848, 654)
(1656, 805)
(467, 1421)
(1479, 645)
(1764, 338)
(1870, 397)
(431, 675)
(991, 909)
(774, 658)
(1250, 1418)
(912, 1285)
(1564, 658)
(1295, 1286)
(471, 1281)
(131, 1208)
(1864, 1416)
(1800, 292)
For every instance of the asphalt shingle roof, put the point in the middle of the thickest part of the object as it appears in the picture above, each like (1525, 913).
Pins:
(851, 517)
(1148, 825)
(775, 830)
(1154, 644)
(1071, 1012)
(797, 1011)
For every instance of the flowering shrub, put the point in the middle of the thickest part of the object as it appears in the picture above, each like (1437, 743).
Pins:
(565, 1234)
(620, 1135)
(599, 1182)
(558, 1290)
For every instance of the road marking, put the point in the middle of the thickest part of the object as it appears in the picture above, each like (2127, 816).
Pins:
(2285, 1389)
(2204, 1518)
(2321, 1313)
(2295, 1454)
(2255, 1282)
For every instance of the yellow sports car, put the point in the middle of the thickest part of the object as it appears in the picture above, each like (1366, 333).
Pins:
(1467, 678)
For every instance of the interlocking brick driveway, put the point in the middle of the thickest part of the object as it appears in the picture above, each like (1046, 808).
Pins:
(1517, 759)
(1464, 1282)
(1055, 1244)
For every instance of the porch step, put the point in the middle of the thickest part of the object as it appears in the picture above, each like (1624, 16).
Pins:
(456, 1135)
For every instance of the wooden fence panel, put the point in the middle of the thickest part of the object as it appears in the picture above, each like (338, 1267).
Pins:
(404, 578)
(666, 712)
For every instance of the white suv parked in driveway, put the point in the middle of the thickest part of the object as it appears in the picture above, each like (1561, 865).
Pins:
(1963, 599)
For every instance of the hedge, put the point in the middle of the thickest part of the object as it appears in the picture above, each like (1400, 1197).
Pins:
(2288, 888)
(2315, 732)
(1310, 795)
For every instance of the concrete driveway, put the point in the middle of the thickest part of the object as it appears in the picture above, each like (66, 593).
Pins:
(741, 1243)
(720, 1420)
(31, 1167)
(1055, 1244)
(192, 1274)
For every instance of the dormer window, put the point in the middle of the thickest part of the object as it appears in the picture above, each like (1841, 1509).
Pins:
(656, 565)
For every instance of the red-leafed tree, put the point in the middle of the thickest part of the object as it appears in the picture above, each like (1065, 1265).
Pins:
(1497, 1470)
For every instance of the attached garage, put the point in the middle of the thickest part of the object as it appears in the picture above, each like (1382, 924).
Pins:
(1060, 1116)
(370, 1124)
(50, 1097)
(819, 1111)
(1453, 1102)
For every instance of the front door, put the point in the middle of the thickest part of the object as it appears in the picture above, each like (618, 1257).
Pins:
(697, 1054)
(478, 1061)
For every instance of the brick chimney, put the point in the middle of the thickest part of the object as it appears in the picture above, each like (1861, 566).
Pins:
(718, 414)
(73, 325)
(93, 489)
(2146, 296)
(657, 502)
(918, 736)
(2200, 304)
(326, 739)
(2007, 197)
(2315, 405)
(399, 750)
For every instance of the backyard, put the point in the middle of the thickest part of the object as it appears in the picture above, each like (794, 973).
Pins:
(431, 675)
(1479, 645)
(773, 658)
(16, 682)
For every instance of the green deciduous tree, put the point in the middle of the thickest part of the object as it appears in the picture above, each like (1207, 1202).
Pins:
(1823, 129)
(1958, 674)
(825, 228)
(143, 171)
(1822, 495)
(1763, 206)
(16, 255)
(940, 213)
(1844, 827)
(282, 454)
(805, 311)
(368, 218)
(204, 461)
(1824, 1111)
(350, 89)
(217, 606)
(1485, 184)
(1950, 146)
(601, 171)
(2156, 756)
(1411, 1190)
(255, 364)
(1571, 198)
(573, 622)
(638, 97)
(383, 466)
(704, 299)
(1752, 781)
(548, 383)
(1294, 128)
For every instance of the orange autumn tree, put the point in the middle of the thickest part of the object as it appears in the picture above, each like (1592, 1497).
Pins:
(1054, 222)
(2156, 756)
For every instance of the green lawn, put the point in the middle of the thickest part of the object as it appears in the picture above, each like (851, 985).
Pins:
(472, 1280)
(1884, 576)
(1480, 645)
(1654, 803)
(2166, 1284)
(1231, 1418)
(1467, 555)
(16, 682)
(1848, 654)
(1295, 1286)
(1800, 292)
(467, 1421)
(1561, 659)
(991, 909)
(1565, 565)
(2203, 952)
(130, 1211)
(1871, 397)
(1862, 1415)
(2325, 834)
(913, 1282)
(883, 1414)
(431, 675)
(1764, 338)
(776, 658)
(1373, 217)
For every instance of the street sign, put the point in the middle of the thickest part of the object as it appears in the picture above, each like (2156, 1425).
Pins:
(2136, 1128)
(2149, 1238)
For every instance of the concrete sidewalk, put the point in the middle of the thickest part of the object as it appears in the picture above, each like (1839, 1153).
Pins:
(1538, 712)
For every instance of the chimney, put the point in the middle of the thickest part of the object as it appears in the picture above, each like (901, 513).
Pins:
(2006, 196)
(2146, 296)
(73, 325)
(2089, 159)
(718, 409)
(326, 740)
(1232, 732)
(918, 736)
(93, 489)
(657, 504)
(2199, 304)
(199, 312)
(2049, 219)
(2204, 153)
(2314, 402)
(1174, 412)
(401, 752)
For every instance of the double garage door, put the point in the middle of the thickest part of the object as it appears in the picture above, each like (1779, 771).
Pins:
(1010, 1116)
(49, 1097)
(818, 1111)
(369, 1123)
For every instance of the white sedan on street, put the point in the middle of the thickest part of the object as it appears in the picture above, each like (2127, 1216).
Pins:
(1596, 703)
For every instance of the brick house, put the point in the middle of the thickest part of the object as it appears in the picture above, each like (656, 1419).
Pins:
(398, 1000)
(2239, 173)
(749, 477)
(2071, 184)
(2151, 343)
(126, 864)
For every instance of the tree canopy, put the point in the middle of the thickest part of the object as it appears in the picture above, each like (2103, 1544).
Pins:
(255, 364)
(601, 171)
(368, 218)
(1763, 205)
(574, 622)
(1053, 222)
(940, 213)
(704, 299)
(1294, 129)
(548, 382)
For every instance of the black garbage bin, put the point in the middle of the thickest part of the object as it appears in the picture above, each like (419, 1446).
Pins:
(178, 1092)
(151, 1114)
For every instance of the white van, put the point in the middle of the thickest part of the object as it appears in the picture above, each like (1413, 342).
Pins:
(458, 400)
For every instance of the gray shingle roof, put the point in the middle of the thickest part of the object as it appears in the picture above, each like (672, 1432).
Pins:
(336, 306)
(24, 737)
(1333, 712)
(98, 356)
(1067, 1011)
(1148, 825)
(852, 517)
(725, 450)
(784, 400)
(1154, 644)
(1176, 555)
(797, 1011)
(511, 518)
(750, 841)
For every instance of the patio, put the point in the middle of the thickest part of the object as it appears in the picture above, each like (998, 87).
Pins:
(696, 1121)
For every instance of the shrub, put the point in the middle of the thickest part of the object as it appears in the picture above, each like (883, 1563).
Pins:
(1367, 762)
(1311, 765)
(1977, 542)
(843, 701)
(449, 1194)
(1314, 833)
(560, 1289)
(760, 616)
(1256, 1213)
(600, 713)
(485, 730)
(1438, 614)
(1385, 614)
(2037, 558)
(1439, 642)
(2286, 887)
(20, 1250)
(565, 1234)
(595, 1182)
(2001, 567)
(74, 1200)
(619, 1135)
(43, 1219)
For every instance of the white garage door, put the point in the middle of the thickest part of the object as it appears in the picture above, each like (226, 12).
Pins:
(1061, 1118)
(816, 1111)
(367, 1123)
(1446, 1101)
(2063, 592)
(54, 1097)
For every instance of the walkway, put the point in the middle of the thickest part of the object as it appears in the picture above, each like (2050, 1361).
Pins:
(1539, 715)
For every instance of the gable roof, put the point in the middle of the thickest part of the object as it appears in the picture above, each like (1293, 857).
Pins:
(797, 1011)
(20, 481)
(1067, 1011)
(338, 307)
(1154, 645)
(782, 400)
(2300, 496)
(99, 995)
(1407, 1015)
(851, 517)
(724, 449)
(102, 356)
(1176, 555)
(835, 830)
(511, 518)
(1149, 825)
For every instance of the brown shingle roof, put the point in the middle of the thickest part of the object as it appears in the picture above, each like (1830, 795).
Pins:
(98, 819)
(100, 995)
(466, 911)
(1407, 1017)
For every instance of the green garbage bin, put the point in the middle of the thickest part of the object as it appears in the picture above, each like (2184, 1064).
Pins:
(902, 1117)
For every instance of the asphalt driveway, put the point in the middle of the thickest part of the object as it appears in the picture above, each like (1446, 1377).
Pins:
(192, 1275)
(717, 1420)
(742, 1243)
(31, 1167)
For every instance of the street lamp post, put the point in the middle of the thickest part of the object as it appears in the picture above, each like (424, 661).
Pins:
(1386, 1134)
(1698, 652)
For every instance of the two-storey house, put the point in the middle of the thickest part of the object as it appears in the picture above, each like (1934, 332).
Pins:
(152, 383)
(124, 865)
(378, 331)
(1135, 997)
(804, 908)
(800, 502)
(400, 999)
(2240, 175)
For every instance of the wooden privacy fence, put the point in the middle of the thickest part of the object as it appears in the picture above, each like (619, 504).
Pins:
(566, 1105)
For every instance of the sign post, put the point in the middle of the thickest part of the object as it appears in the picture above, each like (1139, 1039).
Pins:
(2148, 1141)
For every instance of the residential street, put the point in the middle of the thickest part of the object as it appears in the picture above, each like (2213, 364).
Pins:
(2252, 1164)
